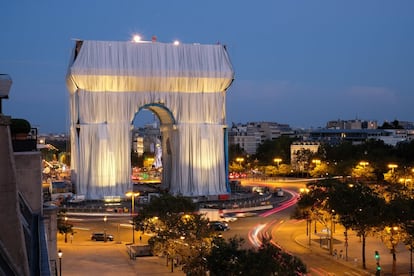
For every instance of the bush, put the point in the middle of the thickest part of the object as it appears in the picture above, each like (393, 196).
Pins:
(20, 126)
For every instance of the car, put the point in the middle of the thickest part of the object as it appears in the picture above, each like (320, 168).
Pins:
(279, 192)
(228, 217)
(100, 236)
(218, 226)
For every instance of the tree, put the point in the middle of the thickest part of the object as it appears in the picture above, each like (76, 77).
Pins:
(179, 232)
(63, 226)
(357, 205)
(236, 151)
(320, 170)
(393, 125)
(228, 258)
(363, 171)
(303, 158)
(269, 149)
(272, 260)
(398, 224)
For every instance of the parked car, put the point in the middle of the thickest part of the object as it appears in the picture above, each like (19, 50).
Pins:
(100, 236)
(218, 226)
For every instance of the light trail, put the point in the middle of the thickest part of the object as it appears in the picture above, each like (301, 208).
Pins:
(254, 235)
(287, 204)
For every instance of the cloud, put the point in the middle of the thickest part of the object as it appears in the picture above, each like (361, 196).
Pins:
(370, 93)
(304, 104)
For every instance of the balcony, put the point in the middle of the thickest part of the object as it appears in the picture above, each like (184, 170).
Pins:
(25, 143)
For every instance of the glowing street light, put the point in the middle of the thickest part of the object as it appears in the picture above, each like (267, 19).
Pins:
(394, 240)
(392, 167)
(317, 162)
(405, 181)
(66, 229)
(132, 195)
(60, 255)
(363, 163)
(331, 232)
(105, 219)
(240, 160)
(277, 160)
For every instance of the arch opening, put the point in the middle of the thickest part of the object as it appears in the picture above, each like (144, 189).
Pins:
(147, 143)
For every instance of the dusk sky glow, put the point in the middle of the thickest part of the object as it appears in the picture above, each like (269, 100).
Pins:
(296, 62)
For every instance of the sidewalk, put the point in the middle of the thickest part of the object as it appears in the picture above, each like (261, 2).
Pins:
(111, 258)
(351, 256)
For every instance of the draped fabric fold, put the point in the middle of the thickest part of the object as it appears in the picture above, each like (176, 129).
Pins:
(109, 82)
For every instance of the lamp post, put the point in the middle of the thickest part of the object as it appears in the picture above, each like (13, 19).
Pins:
(60, 254)
(277, 160)
(105, 219)
(66, 229)
(317, 162)
(132, 195)
(331, 234)
(346, 244)
(392, 167)
(405, 182)
(394, 239)
(240, 160)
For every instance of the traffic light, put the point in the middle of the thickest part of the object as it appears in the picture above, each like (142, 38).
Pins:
(377, 258)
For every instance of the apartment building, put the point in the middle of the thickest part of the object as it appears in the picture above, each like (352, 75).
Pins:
(250, 135)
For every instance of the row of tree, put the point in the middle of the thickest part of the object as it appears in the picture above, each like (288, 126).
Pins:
(184, 237)
(339, 159)
(382, 209)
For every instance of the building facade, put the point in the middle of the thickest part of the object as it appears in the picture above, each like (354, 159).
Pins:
(250, 135)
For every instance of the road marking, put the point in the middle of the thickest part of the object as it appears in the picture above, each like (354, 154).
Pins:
(81, 228)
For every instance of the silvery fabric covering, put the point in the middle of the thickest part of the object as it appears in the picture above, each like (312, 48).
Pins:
(184, 85)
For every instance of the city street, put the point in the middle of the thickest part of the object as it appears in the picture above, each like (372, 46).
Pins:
(103, 258)
(292, 236)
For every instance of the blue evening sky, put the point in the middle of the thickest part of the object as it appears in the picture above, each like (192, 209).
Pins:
(299, 62)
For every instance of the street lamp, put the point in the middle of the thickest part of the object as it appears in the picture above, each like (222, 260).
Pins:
(240, 160)
(277, 161)
(66, 229)
(331, 234)
(316, 162)
(105, 219)
(394, 240)
(363, 163)
(405, 182)
(392, 167)
(132, 195)
(60, 254)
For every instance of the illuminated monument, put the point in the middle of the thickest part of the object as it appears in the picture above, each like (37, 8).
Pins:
(184, 85)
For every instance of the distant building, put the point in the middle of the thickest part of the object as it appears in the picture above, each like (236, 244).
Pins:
(249, 136)
(358, 131)
(406, 125)
(144, 139)
(358, 136)
(351, 124)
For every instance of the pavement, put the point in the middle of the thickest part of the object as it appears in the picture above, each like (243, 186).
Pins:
(351, 255)
(109, 258)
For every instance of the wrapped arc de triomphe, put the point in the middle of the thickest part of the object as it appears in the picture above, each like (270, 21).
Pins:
(184, 85)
